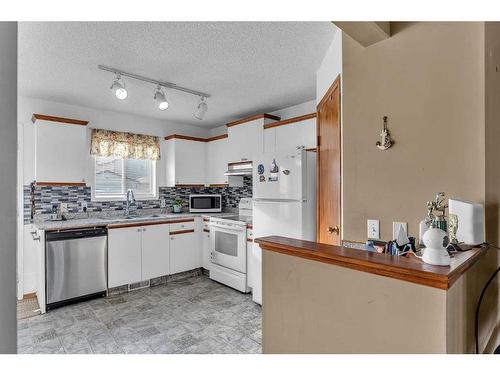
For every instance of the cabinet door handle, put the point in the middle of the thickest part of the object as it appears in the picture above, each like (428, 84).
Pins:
(139, 229)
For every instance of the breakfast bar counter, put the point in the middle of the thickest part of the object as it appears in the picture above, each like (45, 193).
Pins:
(321, 298)
(409, 269)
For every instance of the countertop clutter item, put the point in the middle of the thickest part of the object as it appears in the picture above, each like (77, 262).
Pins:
(177, 205)
(470, 216)
(436, 215)
(436, 241)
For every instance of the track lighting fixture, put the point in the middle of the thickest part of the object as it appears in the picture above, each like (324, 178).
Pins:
(201, 109)
(160, 99)
(118, 88)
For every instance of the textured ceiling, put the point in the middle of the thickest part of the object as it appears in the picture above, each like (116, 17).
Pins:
(247, 67)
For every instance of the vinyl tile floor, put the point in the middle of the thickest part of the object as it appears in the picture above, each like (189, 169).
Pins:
(194, 315)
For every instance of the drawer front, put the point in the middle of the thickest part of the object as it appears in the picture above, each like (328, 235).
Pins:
(185, 225)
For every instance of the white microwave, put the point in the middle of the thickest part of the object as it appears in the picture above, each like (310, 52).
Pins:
(205, 203)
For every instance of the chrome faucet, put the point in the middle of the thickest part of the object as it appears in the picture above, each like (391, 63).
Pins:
(130, 199)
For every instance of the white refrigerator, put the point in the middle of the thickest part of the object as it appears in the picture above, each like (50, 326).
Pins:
(284, 204)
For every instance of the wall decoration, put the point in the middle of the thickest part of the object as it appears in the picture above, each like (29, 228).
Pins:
(274, 171)
(386, 142)
(260, 169)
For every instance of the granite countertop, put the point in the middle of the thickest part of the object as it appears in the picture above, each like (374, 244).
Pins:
(82, 222)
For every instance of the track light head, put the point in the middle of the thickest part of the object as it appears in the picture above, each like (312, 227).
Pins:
(201, 109)
(118, 88)
(160, 99)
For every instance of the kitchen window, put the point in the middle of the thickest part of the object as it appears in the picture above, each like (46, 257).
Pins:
(113, 177)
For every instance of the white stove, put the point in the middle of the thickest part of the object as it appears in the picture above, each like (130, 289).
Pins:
(228, 249)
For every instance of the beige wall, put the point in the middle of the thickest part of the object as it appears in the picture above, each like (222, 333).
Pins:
(428, 78)
(313, 307)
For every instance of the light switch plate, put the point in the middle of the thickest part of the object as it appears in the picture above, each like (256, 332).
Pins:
(395, 228)
(63, 207)
(373, 227)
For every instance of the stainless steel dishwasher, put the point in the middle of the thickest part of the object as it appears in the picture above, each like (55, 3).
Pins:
(75, 265)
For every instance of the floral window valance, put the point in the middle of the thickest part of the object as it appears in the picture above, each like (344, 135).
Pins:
(121, 145)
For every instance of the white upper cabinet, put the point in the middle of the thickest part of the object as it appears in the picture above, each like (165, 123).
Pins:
(217, 159)
(246, 137)
(62, 152)
(245, 140)
(287, 137)
(185, 162)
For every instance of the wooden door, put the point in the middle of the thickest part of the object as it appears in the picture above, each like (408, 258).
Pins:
(329, 177)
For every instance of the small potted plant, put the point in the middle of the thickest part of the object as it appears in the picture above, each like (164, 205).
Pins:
(177, 205)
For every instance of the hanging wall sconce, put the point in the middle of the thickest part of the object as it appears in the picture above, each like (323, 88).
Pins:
(386, 142)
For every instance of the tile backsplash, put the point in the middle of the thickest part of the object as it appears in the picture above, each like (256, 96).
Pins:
(45, 197)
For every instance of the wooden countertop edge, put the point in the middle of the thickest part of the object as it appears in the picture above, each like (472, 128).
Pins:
(421, 277)
(146, 223)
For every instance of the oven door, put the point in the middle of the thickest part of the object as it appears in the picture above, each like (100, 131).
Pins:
(228, 246)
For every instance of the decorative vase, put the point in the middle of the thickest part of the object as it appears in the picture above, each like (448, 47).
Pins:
(177, 208)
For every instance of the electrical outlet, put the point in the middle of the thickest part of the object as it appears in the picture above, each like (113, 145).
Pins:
(83, 206)
(163, 203)
(63, 207)
(373, 229)
(395, 228)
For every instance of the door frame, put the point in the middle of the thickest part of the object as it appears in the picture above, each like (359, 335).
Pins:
(336, 84)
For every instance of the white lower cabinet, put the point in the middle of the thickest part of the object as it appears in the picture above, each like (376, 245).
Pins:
(137, 253)
(206, 250)
(184, 252)
(124, 256)
(155, 251)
